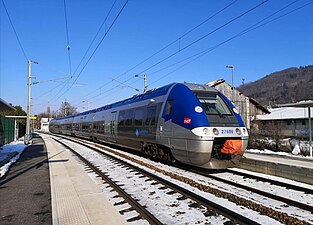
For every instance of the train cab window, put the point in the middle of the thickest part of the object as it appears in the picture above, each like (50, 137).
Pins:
(213, 104)
(138, 116)
(129, 117)
(169, 107)
(151, 113)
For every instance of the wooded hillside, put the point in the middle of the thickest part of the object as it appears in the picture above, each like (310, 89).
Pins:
(286, 86)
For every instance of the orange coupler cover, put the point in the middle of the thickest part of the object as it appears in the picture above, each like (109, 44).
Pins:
(232, 147)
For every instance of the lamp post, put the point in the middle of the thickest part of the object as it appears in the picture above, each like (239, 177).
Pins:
(232, 81)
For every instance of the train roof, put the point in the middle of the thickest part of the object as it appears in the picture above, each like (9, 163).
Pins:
(200, 87)
(139, 97)
(147, 95)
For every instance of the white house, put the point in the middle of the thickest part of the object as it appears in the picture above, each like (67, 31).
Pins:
(44, 124)
(290, 121)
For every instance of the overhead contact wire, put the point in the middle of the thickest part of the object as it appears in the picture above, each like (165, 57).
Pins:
(67, 38)
(168, 45)
(93, 40)
(179, 38)
(16, 35)
(201, 38)
(115, 19)
(245, 31)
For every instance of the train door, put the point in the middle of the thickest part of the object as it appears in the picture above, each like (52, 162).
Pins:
(113, 123)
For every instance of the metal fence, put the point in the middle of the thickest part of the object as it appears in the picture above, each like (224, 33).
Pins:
(6, 130)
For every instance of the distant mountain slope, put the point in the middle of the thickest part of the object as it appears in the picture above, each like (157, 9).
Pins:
(289, 85)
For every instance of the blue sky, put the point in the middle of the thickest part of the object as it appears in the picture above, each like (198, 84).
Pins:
(143, 28)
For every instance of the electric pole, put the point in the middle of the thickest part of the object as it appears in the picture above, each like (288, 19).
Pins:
(26, 140)
(27, 136)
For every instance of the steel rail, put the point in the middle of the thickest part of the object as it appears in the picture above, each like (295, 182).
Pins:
(264, 193)
(276, 182)
(237, 218)
(134, 204)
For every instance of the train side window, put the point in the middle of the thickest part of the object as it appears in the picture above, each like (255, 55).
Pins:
(102, 126)
(150, 119)
(121, 118)
(169, 107)
(138, 116)
(129, 117)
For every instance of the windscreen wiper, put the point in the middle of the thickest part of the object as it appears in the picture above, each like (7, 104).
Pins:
(219, 113)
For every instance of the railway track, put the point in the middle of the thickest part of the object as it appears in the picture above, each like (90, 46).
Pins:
(206, 206)
(128, 199)
(271, 181)
(267, 194)
(209, 206)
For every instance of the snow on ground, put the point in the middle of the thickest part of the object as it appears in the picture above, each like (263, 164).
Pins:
(269, 152)
(6, 150)
(168, 210)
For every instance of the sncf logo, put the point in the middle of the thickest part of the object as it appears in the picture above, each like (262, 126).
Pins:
(187, 120)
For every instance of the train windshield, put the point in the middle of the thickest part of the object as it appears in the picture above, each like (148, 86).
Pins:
(213, 104)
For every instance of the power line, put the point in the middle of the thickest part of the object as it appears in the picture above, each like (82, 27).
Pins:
(204, 52)
(245, 31)
(19, 42)
(201, 38)
(93, 40)
(119, 13)
(168, 45)
(100, 28)
(67, 38)
(206, 35)
(179, 38)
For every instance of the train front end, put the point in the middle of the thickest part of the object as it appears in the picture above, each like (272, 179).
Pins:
(207, 129)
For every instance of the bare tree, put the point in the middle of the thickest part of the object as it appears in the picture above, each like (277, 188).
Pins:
(67, 109)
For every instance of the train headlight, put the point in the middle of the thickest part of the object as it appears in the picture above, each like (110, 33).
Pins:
(205, 131)
(238, 131)
(215, 131)
(244, 131)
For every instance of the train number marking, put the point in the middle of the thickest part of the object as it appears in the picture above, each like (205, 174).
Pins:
(224, 131)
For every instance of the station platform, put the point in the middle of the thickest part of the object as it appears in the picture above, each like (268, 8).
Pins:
(75, 198)
(295, 168)
(25, 196)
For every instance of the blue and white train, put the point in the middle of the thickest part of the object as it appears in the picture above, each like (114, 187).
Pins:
(190, 123)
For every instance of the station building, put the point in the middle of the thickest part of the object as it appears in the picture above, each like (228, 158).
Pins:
(247, 107)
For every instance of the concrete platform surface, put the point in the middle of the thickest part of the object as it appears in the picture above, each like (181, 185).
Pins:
(25, 196)
(76, 199)
(291, 161)
(293, 168)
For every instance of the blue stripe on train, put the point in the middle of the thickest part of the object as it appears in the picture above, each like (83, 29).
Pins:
(184, 105)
